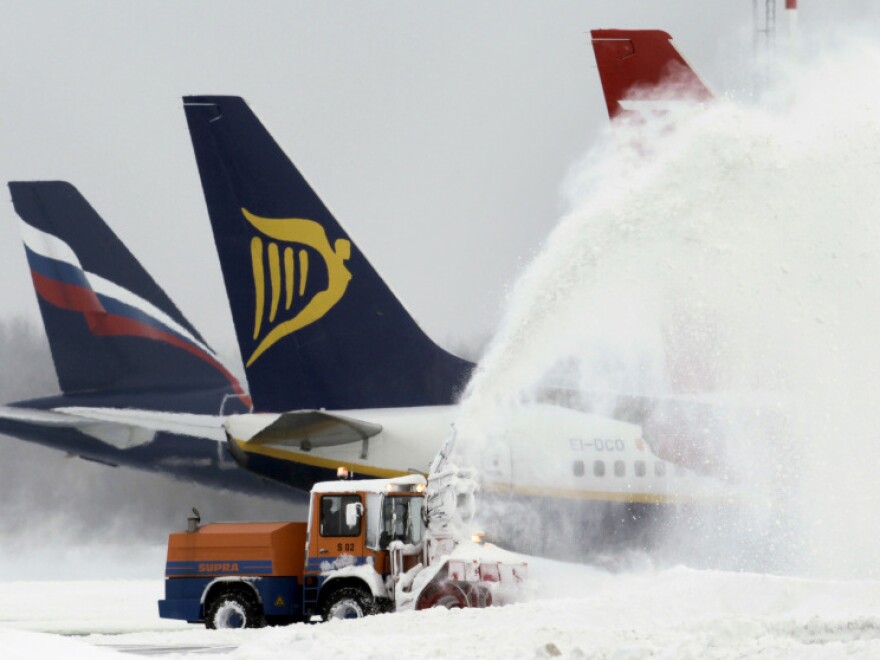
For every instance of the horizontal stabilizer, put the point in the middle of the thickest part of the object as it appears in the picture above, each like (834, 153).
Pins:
(35, 416)
(197, 426)
(303, 446)
(121, 427)
(303, 430)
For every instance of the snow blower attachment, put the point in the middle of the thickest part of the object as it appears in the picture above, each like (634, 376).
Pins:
(369, 546)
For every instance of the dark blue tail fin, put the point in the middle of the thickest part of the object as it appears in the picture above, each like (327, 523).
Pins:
(316, 325)
(111, 329)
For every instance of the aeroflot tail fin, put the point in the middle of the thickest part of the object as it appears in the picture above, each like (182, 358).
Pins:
(643, 67)
(111, 328)
(316, 325)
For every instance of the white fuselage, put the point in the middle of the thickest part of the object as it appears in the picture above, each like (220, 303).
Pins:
(538, 450)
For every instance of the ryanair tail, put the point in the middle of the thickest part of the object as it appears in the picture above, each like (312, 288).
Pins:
(642, 69)
(317, 327)
(116, 338)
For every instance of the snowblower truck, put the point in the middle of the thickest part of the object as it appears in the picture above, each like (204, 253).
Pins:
(369, 546)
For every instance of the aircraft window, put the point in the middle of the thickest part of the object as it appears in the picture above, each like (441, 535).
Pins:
(660, 469)
(640, 468)
(333, 521)
(599, 468)
(578, 468)
(619, 469)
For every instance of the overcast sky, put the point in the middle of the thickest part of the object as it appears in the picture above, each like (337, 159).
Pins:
(439, 133)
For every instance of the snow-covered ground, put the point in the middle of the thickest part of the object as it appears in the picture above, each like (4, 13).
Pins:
(570, 611)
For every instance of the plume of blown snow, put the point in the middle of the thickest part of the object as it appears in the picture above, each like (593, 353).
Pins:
(734, 257)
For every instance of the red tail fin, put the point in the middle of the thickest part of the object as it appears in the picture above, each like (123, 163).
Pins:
(643, 66)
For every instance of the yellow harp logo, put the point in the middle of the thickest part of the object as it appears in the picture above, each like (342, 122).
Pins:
(288, 232)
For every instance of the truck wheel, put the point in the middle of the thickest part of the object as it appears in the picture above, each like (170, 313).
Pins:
(234, 609)
(348, 603)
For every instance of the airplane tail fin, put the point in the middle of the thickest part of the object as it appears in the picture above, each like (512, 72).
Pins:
(317, 326)
(111, 329)
(643, 67)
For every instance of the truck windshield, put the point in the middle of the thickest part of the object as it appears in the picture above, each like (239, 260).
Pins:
(402, 518)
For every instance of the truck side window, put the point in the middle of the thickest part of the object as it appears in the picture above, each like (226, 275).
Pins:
(333, 516)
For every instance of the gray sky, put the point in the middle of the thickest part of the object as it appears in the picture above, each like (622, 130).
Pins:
(439, 133)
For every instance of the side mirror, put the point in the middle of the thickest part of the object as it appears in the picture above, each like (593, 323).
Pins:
(353, 512)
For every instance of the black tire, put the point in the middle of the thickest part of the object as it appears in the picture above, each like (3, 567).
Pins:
(234, 608)
(348, 603)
